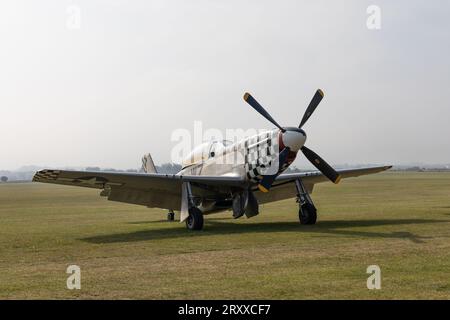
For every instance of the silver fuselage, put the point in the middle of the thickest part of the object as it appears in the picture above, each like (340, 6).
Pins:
(216, 159)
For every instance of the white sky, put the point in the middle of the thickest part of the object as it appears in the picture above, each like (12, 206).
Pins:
(105, 94)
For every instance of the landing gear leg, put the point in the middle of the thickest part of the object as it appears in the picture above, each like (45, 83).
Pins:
(307, 211)
(195, 219)
(170, 215)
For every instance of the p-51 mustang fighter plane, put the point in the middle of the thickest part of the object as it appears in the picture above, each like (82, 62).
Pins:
(209, 182)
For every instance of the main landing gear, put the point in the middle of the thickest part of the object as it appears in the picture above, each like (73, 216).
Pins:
(307, 212)
(195, 219)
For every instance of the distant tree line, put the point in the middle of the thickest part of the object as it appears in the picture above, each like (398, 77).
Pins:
(167, 168)
(109, 169)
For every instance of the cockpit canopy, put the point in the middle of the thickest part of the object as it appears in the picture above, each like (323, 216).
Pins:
(204, 151)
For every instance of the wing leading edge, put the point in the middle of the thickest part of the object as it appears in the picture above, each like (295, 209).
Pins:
(100, 179)
(283, 186)
(317, 176)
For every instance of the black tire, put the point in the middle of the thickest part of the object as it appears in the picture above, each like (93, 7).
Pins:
(170, 216)
(307, 214)
(195, 219)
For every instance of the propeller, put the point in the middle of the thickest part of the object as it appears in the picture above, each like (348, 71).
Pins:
(321, 164)
(318, 96)
(294, 139)
(252, 101)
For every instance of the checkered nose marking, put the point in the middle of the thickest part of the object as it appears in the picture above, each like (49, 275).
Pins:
(262, 156)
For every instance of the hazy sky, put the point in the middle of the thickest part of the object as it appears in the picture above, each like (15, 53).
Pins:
(117, 87)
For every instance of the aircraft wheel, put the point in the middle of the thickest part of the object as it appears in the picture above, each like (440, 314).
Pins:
(195, 219)
(307, 214)
(170, 216)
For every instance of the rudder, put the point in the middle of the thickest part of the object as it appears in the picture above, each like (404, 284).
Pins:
(148, 166)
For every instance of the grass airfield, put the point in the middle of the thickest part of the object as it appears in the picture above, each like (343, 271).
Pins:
(399, 221)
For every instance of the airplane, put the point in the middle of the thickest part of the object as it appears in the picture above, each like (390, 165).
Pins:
(208, 183)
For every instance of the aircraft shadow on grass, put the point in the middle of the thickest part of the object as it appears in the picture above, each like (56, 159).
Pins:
(228, 226)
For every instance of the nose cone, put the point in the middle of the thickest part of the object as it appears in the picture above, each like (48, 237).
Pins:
(294, 138)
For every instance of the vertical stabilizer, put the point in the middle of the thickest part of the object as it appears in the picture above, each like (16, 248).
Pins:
(148, 166)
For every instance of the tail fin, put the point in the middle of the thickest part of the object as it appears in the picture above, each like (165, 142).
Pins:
(148, 166)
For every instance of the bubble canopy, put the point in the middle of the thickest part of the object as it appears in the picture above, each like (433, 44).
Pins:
(204, 151)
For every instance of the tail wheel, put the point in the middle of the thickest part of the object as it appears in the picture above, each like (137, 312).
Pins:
(170, 216)
(307, 214)
(195, 219)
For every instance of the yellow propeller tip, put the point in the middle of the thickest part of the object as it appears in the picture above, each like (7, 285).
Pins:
(246, 95)
(320, 92)
(262, 188)
(338, 179)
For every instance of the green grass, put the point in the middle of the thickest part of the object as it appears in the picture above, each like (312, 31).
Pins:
(399, 221)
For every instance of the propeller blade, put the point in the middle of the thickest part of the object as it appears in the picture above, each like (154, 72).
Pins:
(318, 96)
(321, 165)
(266, 182)
(251, 101)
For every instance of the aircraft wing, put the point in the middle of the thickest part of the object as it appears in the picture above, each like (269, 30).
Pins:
(164, 190)
(152, 190)
(283, 186)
